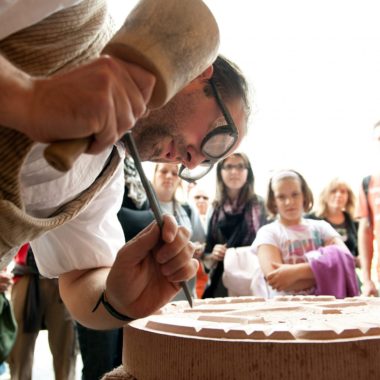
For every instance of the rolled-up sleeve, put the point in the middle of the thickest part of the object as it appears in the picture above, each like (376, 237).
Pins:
(90, 240)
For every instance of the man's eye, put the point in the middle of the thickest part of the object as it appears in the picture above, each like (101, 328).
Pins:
(220, 122)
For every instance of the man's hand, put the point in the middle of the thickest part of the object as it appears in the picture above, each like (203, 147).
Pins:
(144, 277)
(101, 99)
(147, 270)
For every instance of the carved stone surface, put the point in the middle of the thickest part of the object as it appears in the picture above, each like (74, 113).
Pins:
(226, 338)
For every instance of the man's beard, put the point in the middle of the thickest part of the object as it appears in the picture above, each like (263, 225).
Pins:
(148, 138)
(160, 126)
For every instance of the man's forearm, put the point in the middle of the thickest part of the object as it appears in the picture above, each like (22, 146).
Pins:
(80, 291)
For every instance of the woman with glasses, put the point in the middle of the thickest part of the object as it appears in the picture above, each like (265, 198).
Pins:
(166, 183)
(237, 215)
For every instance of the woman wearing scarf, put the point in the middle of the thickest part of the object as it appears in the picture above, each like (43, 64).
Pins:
(236, 216)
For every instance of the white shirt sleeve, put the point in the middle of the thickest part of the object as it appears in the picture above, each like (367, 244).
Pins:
(19, 14)
(267, 234)
(90, 240)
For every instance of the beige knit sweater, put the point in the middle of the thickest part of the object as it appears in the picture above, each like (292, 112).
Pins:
(63, 40)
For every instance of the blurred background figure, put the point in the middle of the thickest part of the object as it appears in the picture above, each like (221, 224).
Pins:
(38, 306)
(368, 214)
(237, 214)
(336, 206)
(167, 184)
(5, 285)
(200, 198)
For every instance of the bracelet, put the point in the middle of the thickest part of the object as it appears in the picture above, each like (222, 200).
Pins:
(102, 300)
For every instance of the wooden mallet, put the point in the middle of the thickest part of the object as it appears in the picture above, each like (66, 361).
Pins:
(175, 40)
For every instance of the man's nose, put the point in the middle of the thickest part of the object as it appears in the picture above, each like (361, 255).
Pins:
(193, 158)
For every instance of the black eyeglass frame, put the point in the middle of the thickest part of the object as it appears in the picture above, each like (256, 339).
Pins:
(229, 128)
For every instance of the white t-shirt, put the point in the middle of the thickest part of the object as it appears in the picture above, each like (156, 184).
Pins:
(93, 238)
(294, 242)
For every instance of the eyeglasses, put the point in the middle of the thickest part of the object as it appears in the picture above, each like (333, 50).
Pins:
(216, 144)
(230, 167)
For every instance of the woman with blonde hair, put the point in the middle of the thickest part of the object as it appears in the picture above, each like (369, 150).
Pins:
(336, 206)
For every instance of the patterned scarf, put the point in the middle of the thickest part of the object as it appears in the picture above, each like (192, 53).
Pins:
(236, 223)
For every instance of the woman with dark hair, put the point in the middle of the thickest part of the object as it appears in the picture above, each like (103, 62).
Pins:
(236, 216)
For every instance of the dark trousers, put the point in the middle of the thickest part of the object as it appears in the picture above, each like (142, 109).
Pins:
(101, 351)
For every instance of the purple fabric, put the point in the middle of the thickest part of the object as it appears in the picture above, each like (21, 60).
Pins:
(334, 273)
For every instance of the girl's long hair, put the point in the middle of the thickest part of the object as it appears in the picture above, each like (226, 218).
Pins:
(308, 199)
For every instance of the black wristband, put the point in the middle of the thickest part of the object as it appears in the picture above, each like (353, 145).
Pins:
(102, 299)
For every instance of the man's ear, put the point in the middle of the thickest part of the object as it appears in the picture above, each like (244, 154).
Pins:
(201, 78)
(207, 74)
